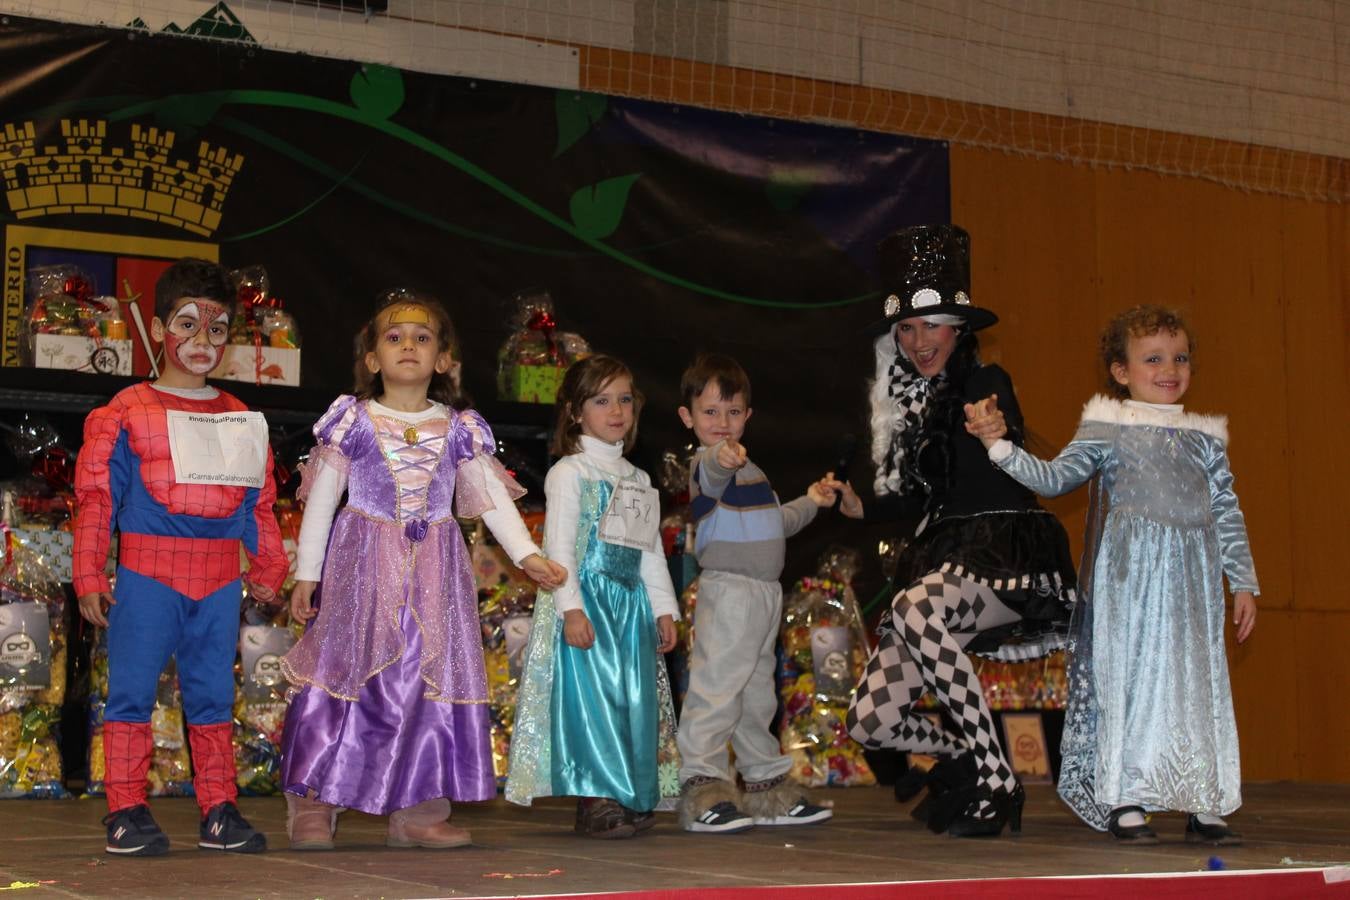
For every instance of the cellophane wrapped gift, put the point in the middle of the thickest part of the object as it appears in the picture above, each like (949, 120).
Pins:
(677, 540)
(505, 612)
(262, 694)
(264, 346)
(67, 326)
(260, 699)
(825, 648)
(32, 674)
(170, 769)
(534, 357)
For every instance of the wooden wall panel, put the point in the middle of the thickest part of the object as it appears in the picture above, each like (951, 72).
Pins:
(1319, 682)
(1316, 308)
(1238, 315)
(1266, 692)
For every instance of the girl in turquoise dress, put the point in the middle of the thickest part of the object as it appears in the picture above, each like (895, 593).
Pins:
(594, 718)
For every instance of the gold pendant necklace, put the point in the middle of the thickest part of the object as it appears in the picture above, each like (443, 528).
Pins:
(410, 435)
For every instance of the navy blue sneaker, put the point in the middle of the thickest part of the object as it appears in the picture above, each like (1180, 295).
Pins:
(801, 813)
(225, 829)
(722, 818)
(134, 832)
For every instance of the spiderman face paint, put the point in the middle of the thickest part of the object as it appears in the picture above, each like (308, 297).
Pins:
(194, 339)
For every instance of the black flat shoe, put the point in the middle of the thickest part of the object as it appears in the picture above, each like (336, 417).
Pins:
(1007, 811)
(1198, 832)
(1130, 834)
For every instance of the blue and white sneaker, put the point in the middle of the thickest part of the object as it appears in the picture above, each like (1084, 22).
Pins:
(225, 829)
(801, 813)
(134, 832)
(724, 818)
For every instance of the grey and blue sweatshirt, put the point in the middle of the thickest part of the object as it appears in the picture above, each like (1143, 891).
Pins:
(742, 528)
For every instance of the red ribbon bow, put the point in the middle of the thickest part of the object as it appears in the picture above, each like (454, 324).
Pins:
(543, 322)
(55, 466)
(79, 288)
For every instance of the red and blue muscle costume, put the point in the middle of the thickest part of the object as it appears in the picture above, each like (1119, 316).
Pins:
(178, 583)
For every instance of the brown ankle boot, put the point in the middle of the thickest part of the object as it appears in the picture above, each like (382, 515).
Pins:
(310, 824)
(602, 818)
(425, 825)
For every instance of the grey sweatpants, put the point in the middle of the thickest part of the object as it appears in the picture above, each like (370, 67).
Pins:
(732, 696)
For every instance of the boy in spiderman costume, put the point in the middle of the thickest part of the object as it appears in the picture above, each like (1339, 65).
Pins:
(179, 585)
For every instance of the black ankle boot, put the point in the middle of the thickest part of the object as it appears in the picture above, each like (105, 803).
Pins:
(1007, 810)
(1130, 834)
(950, 773)
(908, 785)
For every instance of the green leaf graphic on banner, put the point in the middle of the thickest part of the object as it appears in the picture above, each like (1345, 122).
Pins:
(377, 91)
(597, 209)
(185, 113)
(576, 114)
(785, 189)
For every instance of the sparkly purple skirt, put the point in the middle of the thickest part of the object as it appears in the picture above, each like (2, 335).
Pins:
(390, 749)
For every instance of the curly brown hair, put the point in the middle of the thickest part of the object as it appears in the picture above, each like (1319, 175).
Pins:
(444, 386)
(586, 378)
(1138, 321)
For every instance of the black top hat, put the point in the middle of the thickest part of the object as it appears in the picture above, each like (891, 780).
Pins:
(926, 269)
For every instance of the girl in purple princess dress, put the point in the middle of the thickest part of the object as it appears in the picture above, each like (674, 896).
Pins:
(391, 716)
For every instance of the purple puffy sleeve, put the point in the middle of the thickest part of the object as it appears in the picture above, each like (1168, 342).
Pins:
(479, 473)
(329, 453)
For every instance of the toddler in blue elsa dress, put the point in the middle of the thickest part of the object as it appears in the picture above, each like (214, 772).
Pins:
(1149, 724)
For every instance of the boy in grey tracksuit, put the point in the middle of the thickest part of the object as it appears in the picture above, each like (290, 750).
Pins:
(740, 545)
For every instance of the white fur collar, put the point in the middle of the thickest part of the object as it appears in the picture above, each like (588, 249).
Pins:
(1116, 412)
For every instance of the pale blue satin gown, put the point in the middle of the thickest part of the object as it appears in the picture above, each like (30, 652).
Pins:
(1150, 714)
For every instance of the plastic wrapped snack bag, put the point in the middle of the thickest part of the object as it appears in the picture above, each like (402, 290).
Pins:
(824, 650)
(506, 613)
(32, 674)
(260, 707)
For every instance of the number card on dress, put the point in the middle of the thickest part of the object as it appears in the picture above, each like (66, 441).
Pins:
(218, 448)
(633, 517)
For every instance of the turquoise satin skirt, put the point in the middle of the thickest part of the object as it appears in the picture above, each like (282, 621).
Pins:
(604, 706)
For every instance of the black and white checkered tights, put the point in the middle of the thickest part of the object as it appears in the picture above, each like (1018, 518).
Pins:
(934, 619)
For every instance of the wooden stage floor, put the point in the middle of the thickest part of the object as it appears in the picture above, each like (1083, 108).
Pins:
(55, 849)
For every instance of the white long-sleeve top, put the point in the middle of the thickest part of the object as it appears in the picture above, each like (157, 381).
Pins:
(562, 493)
(321, 506)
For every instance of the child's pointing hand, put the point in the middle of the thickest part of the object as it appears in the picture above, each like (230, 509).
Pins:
(731, 455)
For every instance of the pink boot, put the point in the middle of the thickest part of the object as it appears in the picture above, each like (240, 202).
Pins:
(425, 825)
(310, 824)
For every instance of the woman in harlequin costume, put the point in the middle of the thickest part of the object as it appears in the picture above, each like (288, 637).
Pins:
(178, 579)
(392, 717)
(986, 571)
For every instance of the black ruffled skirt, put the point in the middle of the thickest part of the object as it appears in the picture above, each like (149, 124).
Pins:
(1023, 556)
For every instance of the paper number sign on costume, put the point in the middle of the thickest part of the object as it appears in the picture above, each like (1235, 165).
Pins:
(218, 448)
(633, 517)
